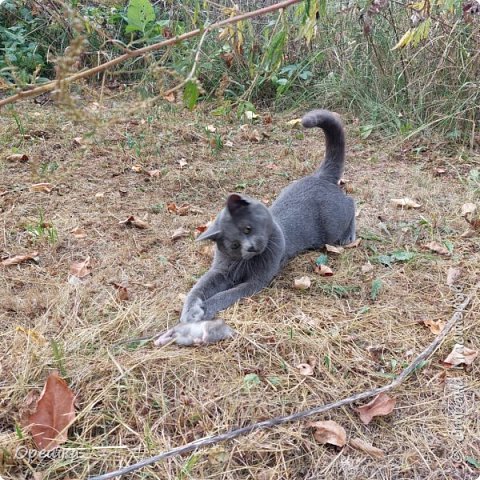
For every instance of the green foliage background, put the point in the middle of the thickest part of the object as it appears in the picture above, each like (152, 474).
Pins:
(401, 68)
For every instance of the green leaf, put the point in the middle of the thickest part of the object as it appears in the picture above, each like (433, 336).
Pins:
(402, 256)
(376, 287)
(139, 14)
(473, 461)
(385, 260)
(251, 379)
(449, 246)
(322, 259)
(191, 94)
(366, 131)
(274, 381)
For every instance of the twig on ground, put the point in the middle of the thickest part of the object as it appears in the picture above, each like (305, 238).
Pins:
(207, 441)
(142, 51)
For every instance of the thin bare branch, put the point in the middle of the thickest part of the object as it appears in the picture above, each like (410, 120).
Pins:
(48, 87)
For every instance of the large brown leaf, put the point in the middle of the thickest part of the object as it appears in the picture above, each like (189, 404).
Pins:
(382, 404)
(53, 415)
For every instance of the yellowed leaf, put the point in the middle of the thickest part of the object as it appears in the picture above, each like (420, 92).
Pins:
(405, 202)
(381, 405)
(435, 326)
(32, 334)
(15, 260)
(42, 187)
(330, 432)
(365, 447)
(295, 123)
(461, 354)
(302, 283)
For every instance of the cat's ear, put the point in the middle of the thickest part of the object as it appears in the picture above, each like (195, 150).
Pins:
(211, 233)
(236, 202)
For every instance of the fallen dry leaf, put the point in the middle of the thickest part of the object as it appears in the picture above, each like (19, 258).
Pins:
(182, 163)
(295, 123)
(53, 415)
(170, 97)
(323, 270)
(19, 259)
(78, 232)
(80, 269)
(354, 244)
(382, 404)
(302, 283)
(367, 268)
(181, 210)
(42, 187)
(405, 202)
(333, 249)
(137, 168)
(471, 215)
(210, 128)
(180, 233)
(305, 369)
(435, 327)
(440, 171)
(32, 334)
(122, 291)
(77, 141)
(249, 115)
(228, 143)
(437, 248)
(461, 354)
(154, 173)
(453, 274)
(360, 444)
(17, 157)
(100, 195)
(330, 432)
(131, 221)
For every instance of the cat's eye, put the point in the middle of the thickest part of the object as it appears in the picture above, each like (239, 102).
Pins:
(247, 229)
(235, 245)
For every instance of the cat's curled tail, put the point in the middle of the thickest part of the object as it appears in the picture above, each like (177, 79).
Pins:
(332, 166)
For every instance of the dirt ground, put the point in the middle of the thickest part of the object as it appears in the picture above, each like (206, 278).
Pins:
(173, 169)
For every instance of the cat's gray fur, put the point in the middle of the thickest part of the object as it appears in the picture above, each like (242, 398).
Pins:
(253, 242)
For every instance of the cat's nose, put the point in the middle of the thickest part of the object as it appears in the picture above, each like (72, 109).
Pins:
(252, 249)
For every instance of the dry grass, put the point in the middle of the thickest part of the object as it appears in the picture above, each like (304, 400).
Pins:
(135, 400)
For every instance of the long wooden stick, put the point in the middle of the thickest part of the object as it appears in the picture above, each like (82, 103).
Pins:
(142, 51)
(207, 441)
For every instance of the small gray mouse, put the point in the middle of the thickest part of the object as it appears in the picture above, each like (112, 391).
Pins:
(253, 242)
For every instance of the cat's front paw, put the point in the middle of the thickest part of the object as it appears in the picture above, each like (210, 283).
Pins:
(194, 313)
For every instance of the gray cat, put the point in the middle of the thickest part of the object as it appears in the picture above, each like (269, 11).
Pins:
(253, 242)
